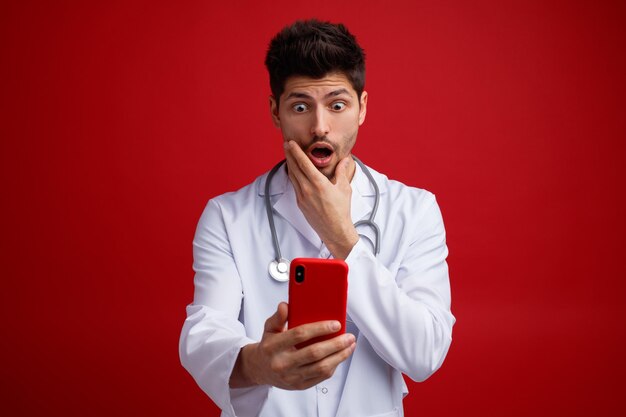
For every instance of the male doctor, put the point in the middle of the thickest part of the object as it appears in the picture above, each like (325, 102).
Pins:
(234, 341)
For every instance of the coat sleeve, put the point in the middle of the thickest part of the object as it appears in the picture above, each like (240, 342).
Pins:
(406, 317)
(212, 334)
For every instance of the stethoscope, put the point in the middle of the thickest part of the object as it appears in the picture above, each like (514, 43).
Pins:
(279, 266)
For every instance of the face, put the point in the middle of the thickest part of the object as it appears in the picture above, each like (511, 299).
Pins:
(322, 116)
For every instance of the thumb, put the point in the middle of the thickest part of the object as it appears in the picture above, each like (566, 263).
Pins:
(276, 323)
(342, 171)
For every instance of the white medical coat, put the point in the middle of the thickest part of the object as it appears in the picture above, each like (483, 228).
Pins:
(399, 300)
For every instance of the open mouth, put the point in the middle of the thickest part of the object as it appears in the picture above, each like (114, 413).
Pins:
(320, 154)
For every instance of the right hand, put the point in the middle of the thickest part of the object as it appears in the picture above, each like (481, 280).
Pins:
(276, 361)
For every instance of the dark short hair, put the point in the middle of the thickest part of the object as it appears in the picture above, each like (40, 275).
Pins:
(314, 49)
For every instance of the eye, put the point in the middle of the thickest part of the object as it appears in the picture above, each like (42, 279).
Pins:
(300, 107)
(338, 106)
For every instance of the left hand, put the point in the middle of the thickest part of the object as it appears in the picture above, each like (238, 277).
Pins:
(324, 203)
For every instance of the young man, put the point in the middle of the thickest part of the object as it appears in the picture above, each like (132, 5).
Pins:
(399, 318)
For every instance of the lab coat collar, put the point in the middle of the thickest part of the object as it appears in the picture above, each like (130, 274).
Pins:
(279, 182)
(287, 207)
(362, 184)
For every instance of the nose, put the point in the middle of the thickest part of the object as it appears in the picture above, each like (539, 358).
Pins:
(320, 126)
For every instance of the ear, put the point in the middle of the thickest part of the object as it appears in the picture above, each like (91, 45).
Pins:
(362, 107)
(274, 112)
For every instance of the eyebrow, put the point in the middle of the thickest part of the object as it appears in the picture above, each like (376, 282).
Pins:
(333, 93)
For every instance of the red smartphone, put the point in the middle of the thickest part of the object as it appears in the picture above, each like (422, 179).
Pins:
(318, 290)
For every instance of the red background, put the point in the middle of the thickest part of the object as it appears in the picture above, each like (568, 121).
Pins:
(121, 119)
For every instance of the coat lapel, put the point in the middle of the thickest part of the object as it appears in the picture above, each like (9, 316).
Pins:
(285, 205)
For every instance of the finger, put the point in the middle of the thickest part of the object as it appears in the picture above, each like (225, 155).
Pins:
(276, 322)
(306, 332)
(325, 368)
(291, 171)
(295, 171)
(342, 172)
(320, 350)
(305, 165)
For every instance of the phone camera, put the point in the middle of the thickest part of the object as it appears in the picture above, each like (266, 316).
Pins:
(299, 273)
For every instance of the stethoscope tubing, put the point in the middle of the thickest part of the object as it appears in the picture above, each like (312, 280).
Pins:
(278, 267)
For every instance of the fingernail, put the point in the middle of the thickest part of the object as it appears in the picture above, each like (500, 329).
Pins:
(349, 338)
(286, 144)
(335, 325)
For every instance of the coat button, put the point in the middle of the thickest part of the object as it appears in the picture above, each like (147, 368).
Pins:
(324, 390)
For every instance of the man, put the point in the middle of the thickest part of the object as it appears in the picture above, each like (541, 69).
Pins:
(399, 318)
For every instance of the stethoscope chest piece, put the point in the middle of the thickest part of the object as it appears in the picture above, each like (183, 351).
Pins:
(279, 270)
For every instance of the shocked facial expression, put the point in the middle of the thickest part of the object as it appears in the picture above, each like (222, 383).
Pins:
(322, 116)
